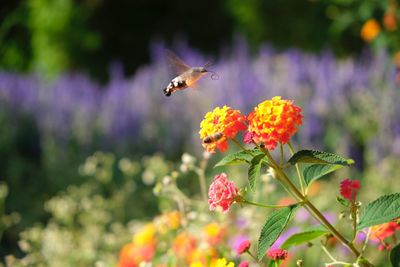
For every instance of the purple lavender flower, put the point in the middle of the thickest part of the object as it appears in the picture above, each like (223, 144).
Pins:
(134, 111)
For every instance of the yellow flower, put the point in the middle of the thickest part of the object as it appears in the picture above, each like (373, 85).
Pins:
(220, 124)
(370, 30)
(197, 264)
(222, 262)
(214, 233)
(146, 235)
(273, 121)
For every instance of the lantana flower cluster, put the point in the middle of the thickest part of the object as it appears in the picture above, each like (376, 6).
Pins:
(226, 122)
(271, 122)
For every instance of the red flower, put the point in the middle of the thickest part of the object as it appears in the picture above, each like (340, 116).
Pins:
(243, 246)
(349, 188)
(277, 254)
(222, 193)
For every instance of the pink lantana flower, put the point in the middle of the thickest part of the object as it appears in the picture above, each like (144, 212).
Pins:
(277, 254)
(244, 264)
(349, 188)
(222, 193)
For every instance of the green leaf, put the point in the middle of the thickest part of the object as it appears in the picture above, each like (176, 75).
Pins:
(239, 157)
(316, 171)
(273, 227)
(395, 256)
(319, 157)
(381, 210)
(303, 237)
(342, 201)
(254, 170)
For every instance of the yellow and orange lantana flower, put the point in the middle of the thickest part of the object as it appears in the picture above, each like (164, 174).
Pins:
(141, 249)
(274, 121)
(226, 122)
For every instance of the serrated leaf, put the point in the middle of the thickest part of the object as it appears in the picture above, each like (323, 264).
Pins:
(316, 171)
(254, 170)
(381, 210)
(319, 157)
(303, 237)
(395, 256)
(273, 227)
(238, 157)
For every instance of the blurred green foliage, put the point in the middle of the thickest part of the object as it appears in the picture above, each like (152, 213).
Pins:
(52, 36)
(87, 223)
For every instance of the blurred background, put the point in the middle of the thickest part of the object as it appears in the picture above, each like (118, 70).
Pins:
(85, 129)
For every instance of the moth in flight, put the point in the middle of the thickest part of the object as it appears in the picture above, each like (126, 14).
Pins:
(188, 76)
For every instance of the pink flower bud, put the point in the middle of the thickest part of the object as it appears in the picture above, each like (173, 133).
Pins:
(243, 246)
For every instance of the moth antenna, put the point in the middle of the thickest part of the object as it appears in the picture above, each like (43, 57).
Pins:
(208, 64)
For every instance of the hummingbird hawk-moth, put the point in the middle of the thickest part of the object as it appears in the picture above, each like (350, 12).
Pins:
(188, 76)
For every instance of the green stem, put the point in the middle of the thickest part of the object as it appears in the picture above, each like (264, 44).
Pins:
(238, 144)
(328, 253)
(263, 205)
(366, 240)
(275, 167)
(253, 257)
(297, 169)
(354, 218)
(335, 262)
(201, 173)
(338, 263)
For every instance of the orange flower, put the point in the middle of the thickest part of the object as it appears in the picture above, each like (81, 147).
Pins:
(184, 244)
(370, 30)
(200, 256)
(274, 121)
(132, 255)
(390, 21)
(127, 256)
(382, 231)
(168, 221)
(219, 125)
(214, 233)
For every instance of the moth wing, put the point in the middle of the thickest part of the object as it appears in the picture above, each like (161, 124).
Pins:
(179, 66)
